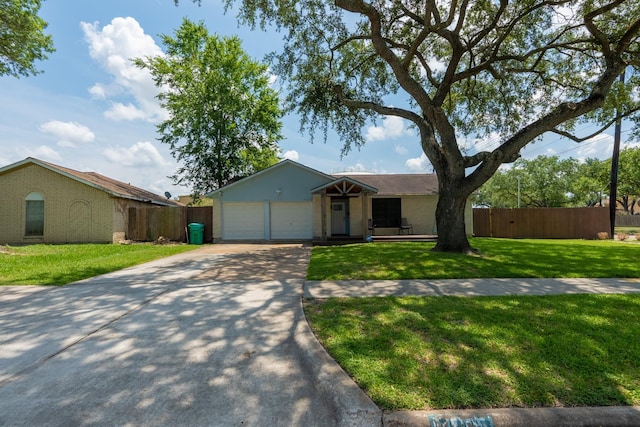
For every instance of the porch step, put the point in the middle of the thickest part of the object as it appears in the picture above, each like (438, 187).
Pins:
(406, 238)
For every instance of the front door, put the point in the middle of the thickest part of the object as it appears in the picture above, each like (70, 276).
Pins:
(339, 217)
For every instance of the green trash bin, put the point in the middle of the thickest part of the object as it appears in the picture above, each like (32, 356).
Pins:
(196, 233)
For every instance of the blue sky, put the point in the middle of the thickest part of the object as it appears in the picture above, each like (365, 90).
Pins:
(92, 111)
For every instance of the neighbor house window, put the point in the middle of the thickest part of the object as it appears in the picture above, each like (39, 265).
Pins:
(386, 212)
(34, 218)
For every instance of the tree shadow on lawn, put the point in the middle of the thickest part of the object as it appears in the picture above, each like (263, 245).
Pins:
(498, 258)
(561, 258)
(460, 352)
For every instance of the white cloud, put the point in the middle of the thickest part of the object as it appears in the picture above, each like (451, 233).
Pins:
(99, 91)
(139, 154)
(392, 127)
(358, 167)
(43, 152)
(399, 149)
(68, 134)
(119, 111)
(599, 146)
(291, 155)
(113, 47)
(418, 164)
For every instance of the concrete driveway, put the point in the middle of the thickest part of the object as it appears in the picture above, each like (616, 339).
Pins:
(213, 337)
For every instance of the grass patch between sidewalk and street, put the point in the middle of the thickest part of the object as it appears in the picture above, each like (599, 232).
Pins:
(420, 353)
(498, 258)
(62, 264)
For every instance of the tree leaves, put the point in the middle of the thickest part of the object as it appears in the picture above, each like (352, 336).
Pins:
(22, 37)
(225, 119)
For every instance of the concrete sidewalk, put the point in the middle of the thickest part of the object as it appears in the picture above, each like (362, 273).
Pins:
(615, 416)
(468, 287)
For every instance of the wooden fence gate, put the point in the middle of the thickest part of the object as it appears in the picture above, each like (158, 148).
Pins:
(541, 223)
(148, 224)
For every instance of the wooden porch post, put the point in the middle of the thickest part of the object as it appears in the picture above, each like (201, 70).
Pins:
(323, 214)
(365, 216)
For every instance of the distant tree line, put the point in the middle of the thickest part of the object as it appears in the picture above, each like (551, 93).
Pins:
(548, 181)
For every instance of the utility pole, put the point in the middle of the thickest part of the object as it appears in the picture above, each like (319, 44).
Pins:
(613, 186)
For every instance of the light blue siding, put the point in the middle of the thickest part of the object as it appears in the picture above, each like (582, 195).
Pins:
(284, 182)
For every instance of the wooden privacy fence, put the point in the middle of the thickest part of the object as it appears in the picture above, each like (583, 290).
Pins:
(628, 220)
(541, 223)
(147, 224)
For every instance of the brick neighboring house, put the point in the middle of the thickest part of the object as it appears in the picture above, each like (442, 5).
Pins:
(45, 203)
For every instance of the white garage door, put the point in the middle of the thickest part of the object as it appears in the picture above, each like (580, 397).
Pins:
(243, 221)
(291, 220)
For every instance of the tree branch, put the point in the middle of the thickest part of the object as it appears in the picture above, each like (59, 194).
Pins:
(599, 131)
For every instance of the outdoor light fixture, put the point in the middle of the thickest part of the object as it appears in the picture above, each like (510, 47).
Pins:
(278, 192)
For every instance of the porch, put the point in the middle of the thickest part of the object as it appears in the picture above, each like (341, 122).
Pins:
(406, 238)
(347, 240)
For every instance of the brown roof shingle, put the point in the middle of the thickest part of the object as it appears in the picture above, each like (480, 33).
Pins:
(104, 183)
(400, 184)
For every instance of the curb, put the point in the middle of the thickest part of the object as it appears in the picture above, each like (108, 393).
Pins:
(603, 416)
(351, 406)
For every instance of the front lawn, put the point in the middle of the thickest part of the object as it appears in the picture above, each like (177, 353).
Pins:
(459, 352)
(498, 258)
(62, 264)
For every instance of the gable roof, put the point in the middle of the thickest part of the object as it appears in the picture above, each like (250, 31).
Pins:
(280, 164)
(400, 184)
(345, 185)
(380, 184)
(111, 186)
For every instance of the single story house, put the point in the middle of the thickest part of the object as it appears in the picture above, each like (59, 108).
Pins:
(290, 201)
(46, 203)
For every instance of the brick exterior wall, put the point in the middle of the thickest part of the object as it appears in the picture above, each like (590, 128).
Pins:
(74, 212)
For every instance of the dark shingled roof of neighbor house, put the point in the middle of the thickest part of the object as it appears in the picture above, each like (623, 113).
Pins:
(399, 184)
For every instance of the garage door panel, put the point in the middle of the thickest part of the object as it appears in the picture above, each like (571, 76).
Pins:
(291, 220)
(243, 221)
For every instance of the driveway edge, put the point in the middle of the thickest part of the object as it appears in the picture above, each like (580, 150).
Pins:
(351, 405)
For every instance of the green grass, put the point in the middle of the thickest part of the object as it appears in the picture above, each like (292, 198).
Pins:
(628, 230)
(498, 258)
(62, 264)
(457, 352)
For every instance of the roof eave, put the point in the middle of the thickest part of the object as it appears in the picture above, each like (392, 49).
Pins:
(31, 160)
(263, 171)
(349, 180)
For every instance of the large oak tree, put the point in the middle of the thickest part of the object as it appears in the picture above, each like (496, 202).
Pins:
(462, 68)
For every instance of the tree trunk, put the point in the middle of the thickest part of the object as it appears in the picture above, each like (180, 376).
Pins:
(452, 234)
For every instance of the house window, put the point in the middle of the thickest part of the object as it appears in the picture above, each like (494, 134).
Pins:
(386, 212)
(34, 217)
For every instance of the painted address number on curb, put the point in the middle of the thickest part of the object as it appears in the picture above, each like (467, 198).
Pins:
(436, 421)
